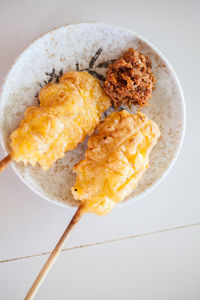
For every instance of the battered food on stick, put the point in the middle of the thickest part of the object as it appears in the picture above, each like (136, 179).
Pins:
(116, 159)
(68, 112)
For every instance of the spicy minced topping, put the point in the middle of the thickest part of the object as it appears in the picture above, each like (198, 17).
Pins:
(129, 79)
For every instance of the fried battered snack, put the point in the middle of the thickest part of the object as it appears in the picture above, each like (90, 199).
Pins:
(130, 80)
(115, 161)
(69, 111)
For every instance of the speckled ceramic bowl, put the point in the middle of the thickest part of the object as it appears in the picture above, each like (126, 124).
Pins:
(71, 47)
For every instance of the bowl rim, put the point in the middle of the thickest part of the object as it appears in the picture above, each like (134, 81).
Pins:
(169, 66)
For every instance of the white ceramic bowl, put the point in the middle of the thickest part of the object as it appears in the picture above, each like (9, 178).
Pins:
(62, 48)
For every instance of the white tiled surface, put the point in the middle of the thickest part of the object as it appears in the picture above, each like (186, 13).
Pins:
(158, 267)
(162, 266)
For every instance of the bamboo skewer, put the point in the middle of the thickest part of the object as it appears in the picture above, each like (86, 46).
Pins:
(5, 161)
(54, 254)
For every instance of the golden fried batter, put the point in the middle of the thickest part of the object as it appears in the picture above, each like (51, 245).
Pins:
(115, 161)
(69, 111)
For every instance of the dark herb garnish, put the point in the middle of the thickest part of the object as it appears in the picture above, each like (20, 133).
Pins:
(105, 114)
(85, 69)
(95, 57)
(105, 64)
(92, 64)
(112, 103)
(54, 76)
(51, 75)
(97, 75)
(59, 75)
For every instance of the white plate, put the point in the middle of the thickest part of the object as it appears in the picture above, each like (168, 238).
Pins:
(62, 48)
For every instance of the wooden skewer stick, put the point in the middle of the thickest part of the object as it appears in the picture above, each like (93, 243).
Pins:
(54, 254)
(4, 162)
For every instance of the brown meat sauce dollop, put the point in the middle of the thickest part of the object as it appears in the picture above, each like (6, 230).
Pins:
(130, 80)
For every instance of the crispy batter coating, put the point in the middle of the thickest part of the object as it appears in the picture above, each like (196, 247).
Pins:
(130, 80)
(69, 111)
(115, 161)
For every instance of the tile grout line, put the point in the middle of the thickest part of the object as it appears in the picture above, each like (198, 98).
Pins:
(105, 242)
